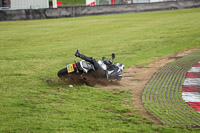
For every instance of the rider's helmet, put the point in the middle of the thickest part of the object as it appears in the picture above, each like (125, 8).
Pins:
(120, 66)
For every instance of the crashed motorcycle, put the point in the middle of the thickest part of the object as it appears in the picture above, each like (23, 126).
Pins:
(84, 72)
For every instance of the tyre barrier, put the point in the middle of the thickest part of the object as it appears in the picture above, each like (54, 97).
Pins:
(162, 96)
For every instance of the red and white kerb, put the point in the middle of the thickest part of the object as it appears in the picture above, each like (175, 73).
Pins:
(191, 87)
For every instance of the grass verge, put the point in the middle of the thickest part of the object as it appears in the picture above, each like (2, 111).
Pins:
(31, 53)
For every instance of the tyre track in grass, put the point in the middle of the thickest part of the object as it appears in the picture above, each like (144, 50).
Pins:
(162, 95)
(164, 101)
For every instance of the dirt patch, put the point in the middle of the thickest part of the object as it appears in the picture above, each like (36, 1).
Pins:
(90, 79)
(136, 77)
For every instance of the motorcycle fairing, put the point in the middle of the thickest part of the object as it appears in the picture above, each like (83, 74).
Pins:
(120, 66)
(115, 71)
(86, 67)
(102, 65)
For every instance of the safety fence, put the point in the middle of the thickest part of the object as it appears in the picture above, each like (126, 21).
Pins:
(108, 2)
(76, 11)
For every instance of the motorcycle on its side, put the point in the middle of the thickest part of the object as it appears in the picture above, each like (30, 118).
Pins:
(84, 72)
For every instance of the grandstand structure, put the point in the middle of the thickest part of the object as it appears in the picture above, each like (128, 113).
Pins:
(24, 4)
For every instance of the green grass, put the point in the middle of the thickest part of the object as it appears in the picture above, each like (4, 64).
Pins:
(72, 2)
(31, 53)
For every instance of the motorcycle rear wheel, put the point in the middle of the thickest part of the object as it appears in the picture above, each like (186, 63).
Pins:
(62, 73)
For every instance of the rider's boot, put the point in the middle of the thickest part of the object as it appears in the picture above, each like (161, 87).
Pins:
(77, 54)
(89, 59)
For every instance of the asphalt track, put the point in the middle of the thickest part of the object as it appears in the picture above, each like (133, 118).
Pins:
(173, 92)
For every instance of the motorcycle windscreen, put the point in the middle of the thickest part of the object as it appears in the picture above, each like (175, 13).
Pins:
(70, 68)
